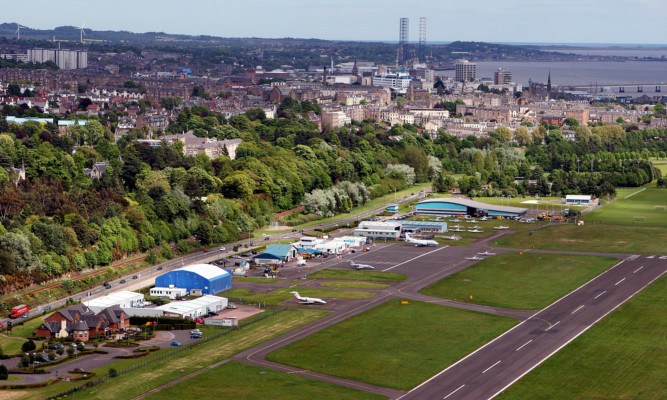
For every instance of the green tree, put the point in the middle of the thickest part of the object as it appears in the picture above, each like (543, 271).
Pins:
(28, 346)
(4, 372)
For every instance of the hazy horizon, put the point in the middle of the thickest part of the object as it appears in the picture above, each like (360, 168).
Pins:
(511, 21)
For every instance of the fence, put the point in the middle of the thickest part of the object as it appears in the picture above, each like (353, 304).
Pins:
(173, 351)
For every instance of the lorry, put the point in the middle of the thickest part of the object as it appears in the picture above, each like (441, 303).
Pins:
(19, 310)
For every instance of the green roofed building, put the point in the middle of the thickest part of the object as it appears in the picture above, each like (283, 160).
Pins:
(276, 254)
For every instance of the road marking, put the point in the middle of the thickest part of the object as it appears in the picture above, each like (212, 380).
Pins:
(650, 257)
(637, 270)
(552, 326)
(412, 259)
(578, 308)
(523, 345)
(617, 283)
(603, 292)
(460, 387)
(490, 367)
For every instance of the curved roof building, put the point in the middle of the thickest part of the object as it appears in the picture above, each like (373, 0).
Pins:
(209, 278)
(457, 206)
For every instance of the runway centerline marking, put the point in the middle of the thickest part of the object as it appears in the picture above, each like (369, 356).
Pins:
(552, 326)
(603, 292)
(491, 367)
(523, 345)
(637, 270)
(577, 309)
(619, 282)
(460, 387)
(414, 258)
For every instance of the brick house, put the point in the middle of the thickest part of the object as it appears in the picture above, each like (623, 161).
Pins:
(80, 323)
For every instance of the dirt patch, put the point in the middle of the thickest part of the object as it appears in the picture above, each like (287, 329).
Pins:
(13, 394)
(279, 228)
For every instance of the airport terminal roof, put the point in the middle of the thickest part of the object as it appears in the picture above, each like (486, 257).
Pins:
(473, 204)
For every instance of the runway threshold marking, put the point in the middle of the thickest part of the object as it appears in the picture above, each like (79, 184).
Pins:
(551, 326)
(491, 367)
(603, 292)
(460, 387)
(619, 282)
(523, 345)
(414, 258)
(638, 269)
(577, 309)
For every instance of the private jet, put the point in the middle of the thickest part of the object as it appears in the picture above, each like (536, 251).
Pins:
(456, 226)
(453, 237)
(474, 258)
(486, 253)
(472, 221)
(501, 227)
(360, 266)
(420, 242)
(484, 219)
(308, 300)
(476, 230)
(528, 221)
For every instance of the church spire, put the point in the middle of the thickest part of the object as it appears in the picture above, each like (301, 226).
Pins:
(549, 82)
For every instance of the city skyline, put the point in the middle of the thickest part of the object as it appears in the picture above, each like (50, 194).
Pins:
(512, 21)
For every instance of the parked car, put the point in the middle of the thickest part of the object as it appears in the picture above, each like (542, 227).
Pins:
(231, 306)
(196, 335)
(247, 254)
(222, 249)
(213, 313)
(175, 343)
(134, 277)
(159, 268)
(122, 281)
(206, 250)
(196, 330)
(266, 238)
(236, 256)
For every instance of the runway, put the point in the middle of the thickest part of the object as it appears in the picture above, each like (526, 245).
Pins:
(491, 369)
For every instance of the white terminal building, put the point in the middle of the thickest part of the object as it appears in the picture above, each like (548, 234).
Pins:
(378, 230)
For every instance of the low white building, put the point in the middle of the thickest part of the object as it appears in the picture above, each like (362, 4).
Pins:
(352, 241)
(194, 308)
(578, 199)
(308, 242)
(170, 292)
(332, 247)
(378, 230)
(123, 299)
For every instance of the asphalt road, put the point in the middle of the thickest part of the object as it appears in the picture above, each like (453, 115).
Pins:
(494, 367)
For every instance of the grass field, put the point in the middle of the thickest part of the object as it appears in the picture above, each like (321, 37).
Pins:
(28, 328)
(132, 384)
(394, 345)
(11, 345)
(591, 237)
(257, 279)
(282, 294)
(622, 357)
(623, 211)
(522, 281)
(355, 284)
(234, 380)
(354, 275)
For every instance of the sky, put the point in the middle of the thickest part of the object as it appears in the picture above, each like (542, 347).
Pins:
(511, 21)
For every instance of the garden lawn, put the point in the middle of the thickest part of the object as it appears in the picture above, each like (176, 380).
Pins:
(132, 384)
(529, 281)
(354, 275)
(394, 345)
(283, 294)
(624, 211)
(591, 237)
(234, 380)
(11, 346)
(622, 357)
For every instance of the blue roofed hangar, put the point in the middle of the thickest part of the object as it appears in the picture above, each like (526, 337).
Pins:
(209, 278)
(457, 206)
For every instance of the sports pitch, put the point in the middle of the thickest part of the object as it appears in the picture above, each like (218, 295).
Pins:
(645, 208)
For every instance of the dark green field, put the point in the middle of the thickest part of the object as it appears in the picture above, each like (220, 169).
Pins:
(591, 237)
(235, 380)
(629, 211)
(523, 281)
(624, 356)
(394, 345)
